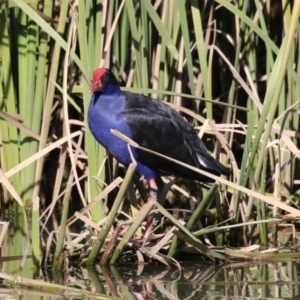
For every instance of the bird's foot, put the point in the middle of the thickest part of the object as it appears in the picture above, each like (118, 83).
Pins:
(124, 229)
(153, 196)
(148, 235)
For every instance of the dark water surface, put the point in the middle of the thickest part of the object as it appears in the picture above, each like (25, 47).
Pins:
(194, 280)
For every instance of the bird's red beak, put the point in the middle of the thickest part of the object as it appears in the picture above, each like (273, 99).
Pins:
(95, 86)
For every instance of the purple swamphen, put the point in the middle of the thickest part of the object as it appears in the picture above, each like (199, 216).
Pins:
(153, 125)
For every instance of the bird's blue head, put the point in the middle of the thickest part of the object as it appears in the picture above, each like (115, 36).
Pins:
(104, 80)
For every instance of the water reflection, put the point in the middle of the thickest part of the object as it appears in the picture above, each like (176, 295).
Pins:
(199, 281)
(193, 281)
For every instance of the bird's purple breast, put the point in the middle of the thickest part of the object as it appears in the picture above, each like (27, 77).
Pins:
(104, 114)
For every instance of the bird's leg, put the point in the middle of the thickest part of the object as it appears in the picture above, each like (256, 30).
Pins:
(155, 187)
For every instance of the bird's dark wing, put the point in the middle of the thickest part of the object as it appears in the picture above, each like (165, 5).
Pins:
(158, 127)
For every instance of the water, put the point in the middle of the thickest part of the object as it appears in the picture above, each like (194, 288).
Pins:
(194, 280)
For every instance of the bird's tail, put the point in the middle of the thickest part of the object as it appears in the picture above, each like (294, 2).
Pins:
(221, 168)
(212, 165)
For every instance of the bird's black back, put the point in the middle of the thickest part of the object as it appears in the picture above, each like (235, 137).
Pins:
(160, 128)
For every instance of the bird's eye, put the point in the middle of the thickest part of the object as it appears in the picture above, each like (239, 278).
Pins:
(104, 76)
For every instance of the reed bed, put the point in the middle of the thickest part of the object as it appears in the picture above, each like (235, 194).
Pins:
(231, 68)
